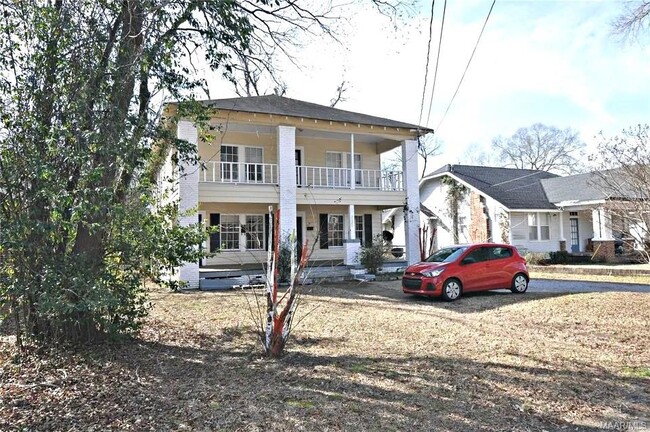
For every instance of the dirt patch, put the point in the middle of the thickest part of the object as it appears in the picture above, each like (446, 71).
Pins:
(364, 357)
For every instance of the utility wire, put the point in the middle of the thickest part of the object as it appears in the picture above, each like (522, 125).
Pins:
(435, 74)
(467, 67)
(426, 66)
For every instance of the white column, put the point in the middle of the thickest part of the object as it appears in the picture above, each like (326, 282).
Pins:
(352, 244)
(562, 226)
(287, 178)
(188, 187)
(412, 188)
(602, 224)
(353, 181)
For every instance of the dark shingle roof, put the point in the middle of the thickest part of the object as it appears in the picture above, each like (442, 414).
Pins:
(273, 104)
(514, 188)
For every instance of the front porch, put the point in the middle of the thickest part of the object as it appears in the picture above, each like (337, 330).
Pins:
(216, 278)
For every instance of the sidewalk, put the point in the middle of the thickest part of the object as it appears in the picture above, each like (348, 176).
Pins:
(595, 269)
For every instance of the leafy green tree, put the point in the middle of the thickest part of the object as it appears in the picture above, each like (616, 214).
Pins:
(80, 86)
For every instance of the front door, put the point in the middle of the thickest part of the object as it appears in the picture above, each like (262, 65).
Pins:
(575, 235)
(299, 236)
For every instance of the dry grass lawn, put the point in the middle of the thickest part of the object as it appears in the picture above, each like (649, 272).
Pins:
(364, 357)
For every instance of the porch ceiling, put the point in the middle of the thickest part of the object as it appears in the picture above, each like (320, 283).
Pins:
(384, 142)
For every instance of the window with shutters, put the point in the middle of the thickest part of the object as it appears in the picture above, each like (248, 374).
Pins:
(230, 232)
(335, 230)
(254, 230)
(359, 228)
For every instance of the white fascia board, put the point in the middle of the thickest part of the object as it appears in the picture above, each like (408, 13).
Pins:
(536, 210)
(577, 203)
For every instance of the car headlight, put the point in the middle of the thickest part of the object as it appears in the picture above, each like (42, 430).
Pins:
(433, 273)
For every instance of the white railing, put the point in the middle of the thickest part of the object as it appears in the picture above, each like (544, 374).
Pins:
(306, 176)
(323, 177)
(239, 172)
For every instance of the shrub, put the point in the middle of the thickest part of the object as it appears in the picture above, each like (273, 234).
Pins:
(374, 256)
(559, 257)
(536, 258)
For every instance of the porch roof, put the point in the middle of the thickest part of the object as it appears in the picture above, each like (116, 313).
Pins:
(279, 105)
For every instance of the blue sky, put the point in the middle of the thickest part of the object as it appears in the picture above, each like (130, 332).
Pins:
(554, 62)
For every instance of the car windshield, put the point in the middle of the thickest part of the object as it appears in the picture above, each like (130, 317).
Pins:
(448, 254)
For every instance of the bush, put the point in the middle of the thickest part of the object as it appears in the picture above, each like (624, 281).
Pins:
(559, 257)
(374, 256)
(536, 258)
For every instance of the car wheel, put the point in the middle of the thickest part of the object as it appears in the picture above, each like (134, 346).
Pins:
(451, 290)
(519, 283)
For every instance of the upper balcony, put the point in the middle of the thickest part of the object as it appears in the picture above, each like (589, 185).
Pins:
(306, 176)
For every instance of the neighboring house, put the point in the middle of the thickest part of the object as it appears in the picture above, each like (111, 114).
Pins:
(319, 165)
(535, 211)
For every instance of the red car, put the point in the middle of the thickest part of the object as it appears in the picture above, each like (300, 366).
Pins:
(455, 270)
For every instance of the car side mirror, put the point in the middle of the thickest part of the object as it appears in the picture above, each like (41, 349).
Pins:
(468, 260)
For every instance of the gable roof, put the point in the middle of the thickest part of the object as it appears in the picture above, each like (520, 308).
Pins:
(514, 188)
(279, 105)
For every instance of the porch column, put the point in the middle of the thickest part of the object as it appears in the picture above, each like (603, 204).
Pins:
(412, 207)
(603, 240)
(352, 244)
(602, 224)
(287, 178)
(562, 239)
(352, 167)
(188, 187)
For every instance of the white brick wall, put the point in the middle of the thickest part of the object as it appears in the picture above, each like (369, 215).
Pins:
(411, 184)
(188, 186)
(287, 178)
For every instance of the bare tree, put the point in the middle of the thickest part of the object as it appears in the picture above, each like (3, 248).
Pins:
(478, 155)
(623, 175)
(541, 147)
(634, 21)
(427, 150)
(340, 90)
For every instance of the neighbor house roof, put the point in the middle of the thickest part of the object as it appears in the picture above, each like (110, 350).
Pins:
(279, 105)
(596, 186)
(575, 188)
(514, 188)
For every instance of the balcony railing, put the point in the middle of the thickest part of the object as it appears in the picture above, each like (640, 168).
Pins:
(306, 176)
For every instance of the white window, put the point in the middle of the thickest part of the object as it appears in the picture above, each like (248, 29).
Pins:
(252, 168)
(359, 228)
(539, 226)
(229, 163)
(335, 230)
(254, 230)
(254, 157)
(357, 166)
(230, 232)
(335, 175)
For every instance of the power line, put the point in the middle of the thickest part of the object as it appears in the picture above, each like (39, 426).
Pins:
(467, 67)
(426, 66)
(435, 74)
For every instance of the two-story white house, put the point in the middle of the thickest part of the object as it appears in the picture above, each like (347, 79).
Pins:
(319, 165)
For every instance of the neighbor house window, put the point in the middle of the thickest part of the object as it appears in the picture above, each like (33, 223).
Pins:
(335, 230)
(539, 226)
(230, 232)
(229, 163)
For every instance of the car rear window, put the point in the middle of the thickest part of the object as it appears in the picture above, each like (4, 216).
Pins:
(499, 253)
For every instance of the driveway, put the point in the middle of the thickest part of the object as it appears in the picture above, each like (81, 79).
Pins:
(562, 286)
